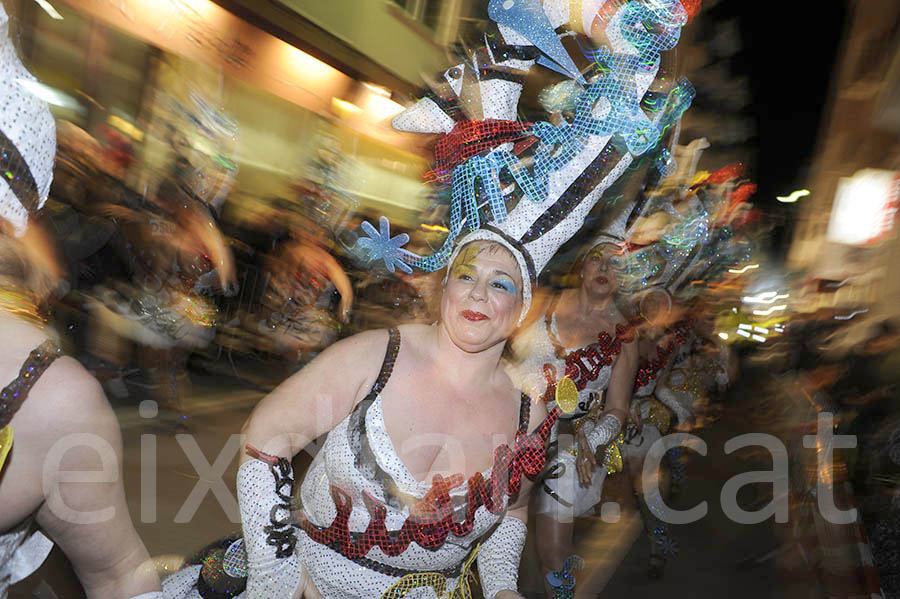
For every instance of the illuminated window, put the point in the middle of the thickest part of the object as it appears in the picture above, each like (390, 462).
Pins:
(427, 12)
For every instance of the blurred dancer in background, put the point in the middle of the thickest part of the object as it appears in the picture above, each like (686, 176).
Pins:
(663, 345)
(179, 259)
(676, 371)
(579, 345)
(678, 243)
(309, 296)
(49, 399)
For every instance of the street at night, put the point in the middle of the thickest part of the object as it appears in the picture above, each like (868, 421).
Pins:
(449, 299)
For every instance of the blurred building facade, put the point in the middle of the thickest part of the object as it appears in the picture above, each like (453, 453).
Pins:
(859, 142)
(299, 77)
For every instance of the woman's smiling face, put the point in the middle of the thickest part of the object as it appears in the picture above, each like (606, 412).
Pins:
(482, 299)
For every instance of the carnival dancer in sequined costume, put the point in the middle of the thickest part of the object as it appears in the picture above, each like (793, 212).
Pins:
(309, 296)
(179, 260)
(678, 245)
(655, 411)
(48, 398)
(581, 346)
(389, 506)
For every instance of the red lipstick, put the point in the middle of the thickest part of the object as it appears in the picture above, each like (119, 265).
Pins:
(602, 280)
(473, 316)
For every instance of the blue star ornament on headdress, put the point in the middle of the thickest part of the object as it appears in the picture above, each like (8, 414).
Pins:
(381, 246)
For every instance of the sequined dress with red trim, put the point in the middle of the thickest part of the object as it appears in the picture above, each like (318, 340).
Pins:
(659, 408)
(367, 521)
(590, 368)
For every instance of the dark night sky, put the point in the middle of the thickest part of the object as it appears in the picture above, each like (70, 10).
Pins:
(789, 53)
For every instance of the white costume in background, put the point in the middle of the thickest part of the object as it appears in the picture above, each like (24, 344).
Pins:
(560, 494)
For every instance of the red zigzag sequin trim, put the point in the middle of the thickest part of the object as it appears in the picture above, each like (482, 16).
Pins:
(431, 519)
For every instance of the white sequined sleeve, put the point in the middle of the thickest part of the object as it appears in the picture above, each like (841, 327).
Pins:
(264, 495)
(498, 559)
(602, 432)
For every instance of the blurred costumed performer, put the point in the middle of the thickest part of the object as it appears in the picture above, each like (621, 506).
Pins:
(49, 398)
(179, 259)
(683, 238)
(582, 347)
(578, 346)
(302, 312)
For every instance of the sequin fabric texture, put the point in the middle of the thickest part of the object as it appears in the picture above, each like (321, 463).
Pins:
(590, 367)
(498, 561)
(561, 496)
(14, 394)
(575, 161)
(27, 138)
(368, 522)
(650, 368)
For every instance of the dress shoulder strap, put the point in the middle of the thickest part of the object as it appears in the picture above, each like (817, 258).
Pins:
(524, 414)
(14, 394)
(363, 456)
(390, 358)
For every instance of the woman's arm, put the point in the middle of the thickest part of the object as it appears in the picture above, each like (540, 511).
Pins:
(69, 434)
(319, 260)
(499, 556)
(304, 407)
(315, 400)
(618, 399)
(498, 561)
(341, 282)
(202, 224)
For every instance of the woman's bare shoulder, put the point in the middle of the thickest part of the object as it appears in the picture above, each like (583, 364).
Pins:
(67, 388)
(360, 346)
(65, 400)
(330, 386)
(415, 338)
(346, 365)
(20, 336)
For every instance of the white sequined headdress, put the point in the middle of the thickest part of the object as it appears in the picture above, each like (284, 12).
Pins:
(27, 138)
(474, 104)
(616, 231)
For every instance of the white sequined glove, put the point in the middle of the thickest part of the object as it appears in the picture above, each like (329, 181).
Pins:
(182, 584)
(270, 538)
(155, 595)
(498, 559)
(602, 432)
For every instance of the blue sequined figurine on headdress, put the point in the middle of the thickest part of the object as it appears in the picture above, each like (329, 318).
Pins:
(573, 163)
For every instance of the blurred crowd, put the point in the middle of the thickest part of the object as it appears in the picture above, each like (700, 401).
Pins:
(152, 279)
